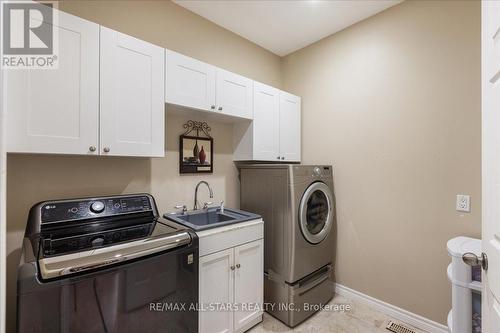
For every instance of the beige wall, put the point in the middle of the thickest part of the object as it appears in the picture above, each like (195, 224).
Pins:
(394, 104)
(32, 178)
(166, 24)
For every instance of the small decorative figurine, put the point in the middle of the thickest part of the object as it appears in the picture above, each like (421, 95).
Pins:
(191, 158)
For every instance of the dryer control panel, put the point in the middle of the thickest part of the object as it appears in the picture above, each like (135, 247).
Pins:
(316, 171)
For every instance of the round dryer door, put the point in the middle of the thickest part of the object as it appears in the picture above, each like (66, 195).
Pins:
(316, 212)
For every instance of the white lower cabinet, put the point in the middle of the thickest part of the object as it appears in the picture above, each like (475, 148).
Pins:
(231, 283)
(216, 287)
(249, 263)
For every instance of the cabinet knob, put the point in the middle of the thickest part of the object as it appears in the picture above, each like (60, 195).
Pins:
(212, 107)
(238, 265)
(232, 268)
(106, 149)
(278, 157)
(220, 108)
(282, 157)
(92, 148)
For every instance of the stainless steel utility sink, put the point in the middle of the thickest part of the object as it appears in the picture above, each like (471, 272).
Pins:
(210, 218)
(205, 218)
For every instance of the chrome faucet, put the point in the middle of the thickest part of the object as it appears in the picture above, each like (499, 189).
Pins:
(196, 193)
(183, 207)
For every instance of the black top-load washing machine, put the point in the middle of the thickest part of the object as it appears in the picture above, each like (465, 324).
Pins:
(106, 264)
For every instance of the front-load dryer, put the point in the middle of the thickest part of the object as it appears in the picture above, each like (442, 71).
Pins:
(297, 205)
(312, 201)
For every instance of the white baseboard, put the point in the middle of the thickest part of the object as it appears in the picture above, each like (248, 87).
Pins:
(393, 311)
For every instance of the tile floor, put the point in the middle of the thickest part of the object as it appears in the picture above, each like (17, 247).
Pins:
(360, 319)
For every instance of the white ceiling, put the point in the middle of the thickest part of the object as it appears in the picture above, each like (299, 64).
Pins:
(284, 26)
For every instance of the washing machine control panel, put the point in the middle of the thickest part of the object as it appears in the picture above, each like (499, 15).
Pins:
(67, 226)
(89, 208)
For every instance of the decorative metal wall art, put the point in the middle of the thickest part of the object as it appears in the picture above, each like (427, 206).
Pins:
(196, 151)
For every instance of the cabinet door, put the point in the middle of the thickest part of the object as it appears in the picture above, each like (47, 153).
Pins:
(132, 96)
(234, 94)
(266, 123)
(190, 83)
(289, 127)
(57, 110)
(248, 282)
(216, 287)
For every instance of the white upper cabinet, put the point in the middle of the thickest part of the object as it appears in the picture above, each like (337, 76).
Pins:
(190, 82)
(234, 94)
(106, 96)
(132, 96)
(269, 119)
(289, 127)
(266, 123)
(274, 133)
(197, 85)
(57, 110)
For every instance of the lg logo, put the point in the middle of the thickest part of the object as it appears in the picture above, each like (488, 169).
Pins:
(28, 28)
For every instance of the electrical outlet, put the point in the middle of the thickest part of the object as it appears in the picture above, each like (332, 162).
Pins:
(463, 203)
